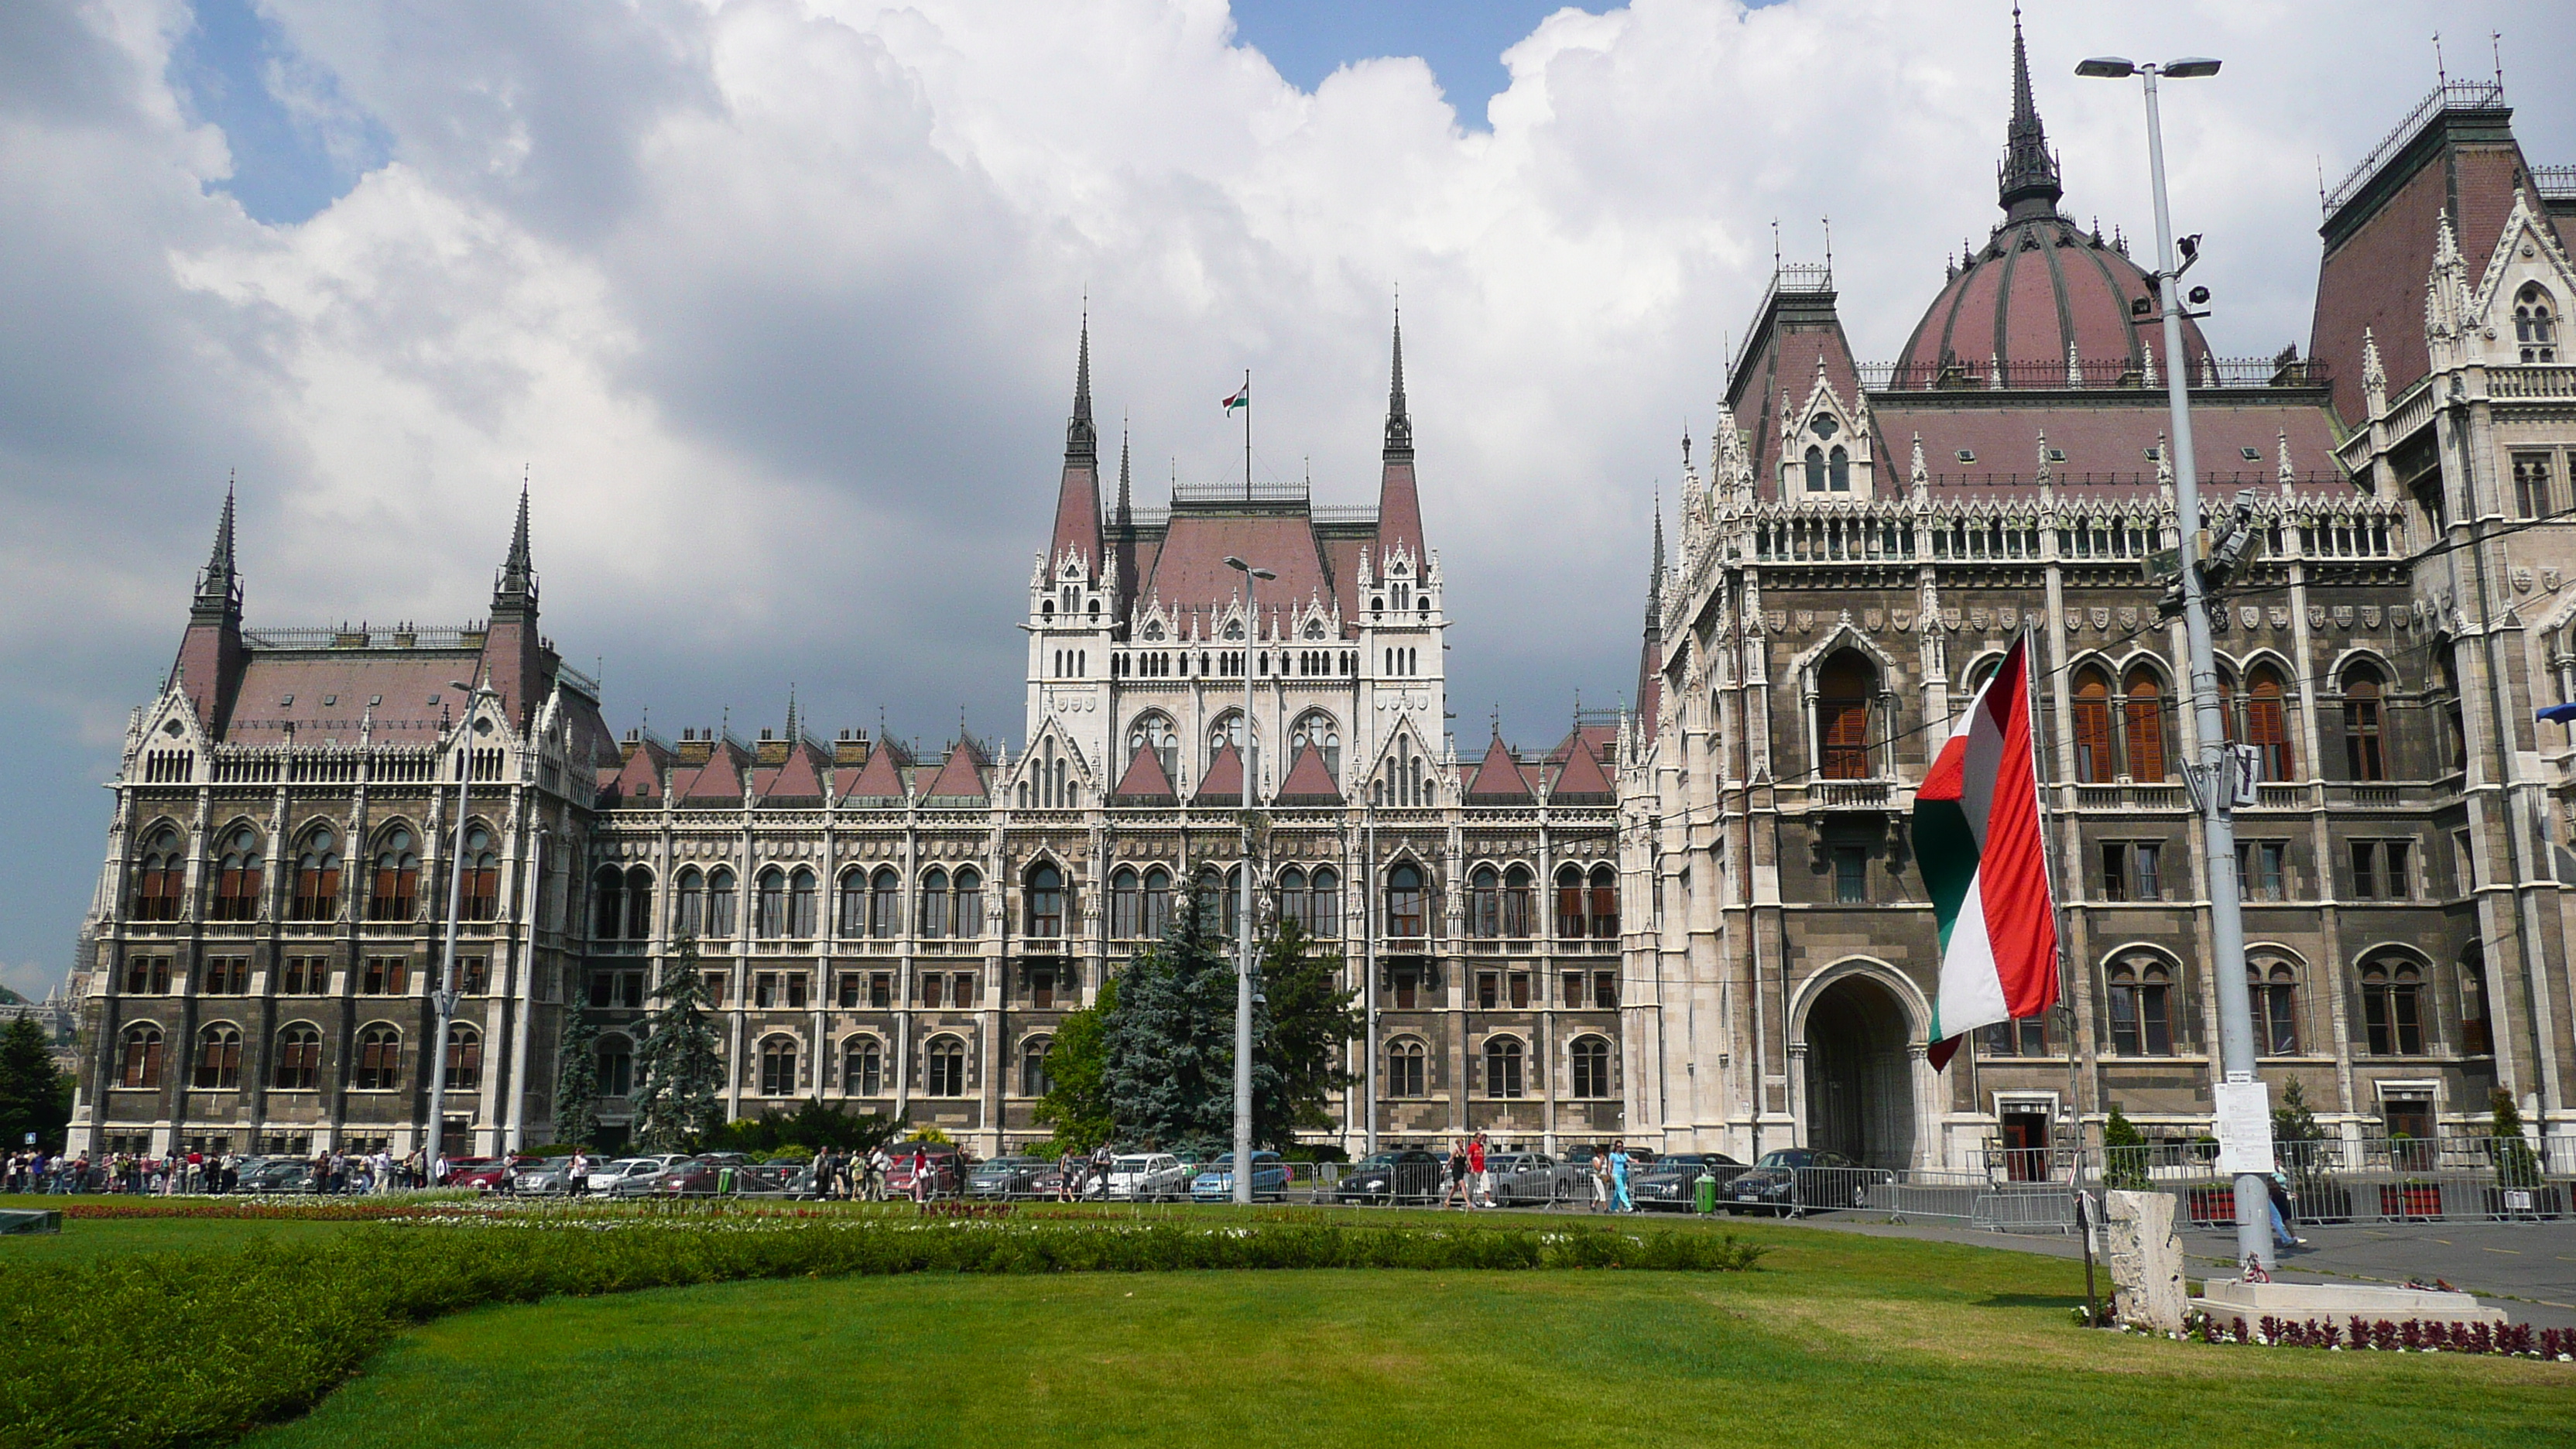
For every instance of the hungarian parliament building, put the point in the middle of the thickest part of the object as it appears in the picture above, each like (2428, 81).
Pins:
(1693, 923)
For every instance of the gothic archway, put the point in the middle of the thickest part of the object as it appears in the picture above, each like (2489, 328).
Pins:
(1860, 1098)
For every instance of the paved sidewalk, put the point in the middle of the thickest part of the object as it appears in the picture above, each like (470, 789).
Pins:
(2526, 1269)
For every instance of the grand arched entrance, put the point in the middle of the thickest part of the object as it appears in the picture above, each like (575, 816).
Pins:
(1860, 1084)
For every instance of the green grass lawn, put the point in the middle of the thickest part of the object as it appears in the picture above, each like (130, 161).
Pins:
(1837, 1340)
(85, 1238)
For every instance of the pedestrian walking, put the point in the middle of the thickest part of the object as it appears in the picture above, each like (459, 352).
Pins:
(2284, 1208)
(920, 1176)
(1619, 1199)
(1453, 1173)
(1600, 1175)
(1480, 1182)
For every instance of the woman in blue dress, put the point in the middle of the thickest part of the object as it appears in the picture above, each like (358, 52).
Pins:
(1619, 1199)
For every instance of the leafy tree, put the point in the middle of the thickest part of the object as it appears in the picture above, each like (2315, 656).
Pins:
(812, 1126)
(681, 1074)
(35, 1096)
(2293, 1121)
(1169, 1063)
(577, 1079)
(1077, 1100)
(1312, 1022)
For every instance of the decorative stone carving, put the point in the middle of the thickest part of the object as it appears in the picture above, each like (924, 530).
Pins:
(1979, 619)
(1806, 621)
(2146, 1261)
(2102, 618)
(2369, 616)
(2280, 615)
(2522, 580)
(2550, 577)
(1873, 619)
(1949, 618)
(2008, 618)
(1779, 621)
(2251, 614)
(2317, 617)
(2128, 619)
(1903, 619)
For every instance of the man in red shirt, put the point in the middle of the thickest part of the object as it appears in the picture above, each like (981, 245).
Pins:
(1483, 1186)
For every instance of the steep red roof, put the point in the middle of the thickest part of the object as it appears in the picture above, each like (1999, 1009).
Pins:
(318, 695)
(639, 780)
(878, 779)
(1582, 781)
(801, 778)
(1498, 778)
(1308, 782)
(2033, 288)
(719, 779)
(959, 778)
(2105, 439)
(1145, 781)
(1190, 569)
(1223, 783)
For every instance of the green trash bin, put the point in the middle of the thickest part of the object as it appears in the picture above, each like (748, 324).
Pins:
(724, 1180)
(1704, 1192)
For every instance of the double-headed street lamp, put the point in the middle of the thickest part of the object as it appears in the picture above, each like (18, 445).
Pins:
(443, 996)
(1243, 922)
(2213, 779)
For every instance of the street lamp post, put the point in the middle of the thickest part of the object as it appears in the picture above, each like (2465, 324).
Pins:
(1243, 921)
(2213, 778)
(443, 996)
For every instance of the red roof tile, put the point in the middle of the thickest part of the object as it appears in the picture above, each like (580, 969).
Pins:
(719, 779)
(801, 778)
(1498, 779)
(1190, 570)
(1223, 783)
(332, 689)
(1308, 782)
(1146, 781)
(959, 778)
(878, 779)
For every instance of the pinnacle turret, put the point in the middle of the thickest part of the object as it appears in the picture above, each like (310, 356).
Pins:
(1081, 440)
(1125, 473)
(1399, 425)
(517, 585)
(2027, 182)
(219, 587)
(1655, 576)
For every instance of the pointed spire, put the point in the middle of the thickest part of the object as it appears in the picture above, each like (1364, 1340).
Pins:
(2027, 183)
(517, 585)
(791, 714)
(1080, 439)
(1125, 474)
(219, 587)
(1655, 576)
(1399, 426)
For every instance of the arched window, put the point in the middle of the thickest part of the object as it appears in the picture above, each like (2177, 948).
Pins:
(608, 890)
(2141, 1007)
(2142, 714)
(2362, 756)
(218, 1059)
(395, 892)
(317, 878)
(1405, 1061)
(1126, 904)
(379, 1060)
(1034, 1081)
(1226, 729)
(1158, 903)
(1520, 907)
(853, 913)
(934, 904)
(689, 904)
(464, 1058)
(1838, 468)
(966, 921)
(479, 896)
(1288, 892)
(2267, 723)
(639, 902)
(239, 870)
(1316, 728)
(2477, 1037)
(1604, 903)
(616, 1066)
(2454, 728)
(800, 905)
(1404, 901)
(161, 878)
(1815, 469)
(2274, 986)
(885, 909)
(2095, 762)
(1485, 903)
(721, 900)
(770, 914)
(1153, 731)
(299, 1060)
(1591, 1061)
(2535, 324)
(1502, 1066)
(1220, 900)
(862, 1067)
(1324, 891)
(1569, 902)
(2392, 1007)
(778, 1066)
(1843, 691)
(943, 1068)
(1043, 896)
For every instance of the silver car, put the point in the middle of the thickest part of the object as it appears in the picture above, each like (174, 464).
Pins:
(550, 1178)
(629, 1176)
(1535, 1177)
(1147, 1177)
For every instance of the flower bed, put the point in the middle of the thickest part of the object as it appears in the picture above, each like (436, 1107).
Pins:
(2415, 1335)
(192, 1348)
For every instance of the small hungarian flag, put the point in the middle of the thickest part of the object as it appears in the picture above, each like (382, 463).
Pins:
(1242, 398)
(1977, 834)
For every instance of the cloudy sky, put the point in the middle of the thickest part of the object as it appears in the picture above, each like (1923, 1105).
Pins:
(775, 302)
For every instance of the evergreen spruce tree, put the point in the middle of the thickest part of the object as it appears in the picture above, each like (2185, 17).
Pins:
(577, 1080)
(1169, 1068)
(2122, 1169)
(34, 1095)
(677, 1098)
(1076, 1103)
(1311, 1023)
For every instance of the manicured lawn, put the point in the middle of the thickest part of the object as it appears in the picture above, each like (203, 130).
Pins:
(1836, 1340)
(83, 1239)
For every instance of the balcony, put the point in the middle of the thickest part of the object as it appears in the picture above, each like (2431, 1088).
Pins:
(1861, 795)
(2130, 797)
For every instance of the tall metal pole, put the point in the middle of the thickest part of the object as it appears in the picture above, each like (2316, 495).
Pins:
(1243, 922)
(442, 997)
(1365, 879)
(2212, 777)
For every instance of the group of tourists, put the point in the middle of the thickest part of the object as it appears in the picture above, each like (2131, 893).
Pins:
(865, 1176)
(195, 1170)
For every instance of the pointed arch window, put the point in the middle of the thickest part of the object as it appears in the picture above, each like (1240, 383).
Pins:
(2141, 990)
(161, 878)
(863, 1067)
(1485, 903)
(2274, 986)
(1590, 1059)
(1503, 1063)
(944, 1068)
(1844, 689)
(1034, 1081)
(1043, 897)
(2392, 1007)
(608, 890)
(2535, 324)
(885, 903)
(2094, 760)
(1288, 892)
(2267, 722)
(1815, 469)
(689, 904)
(934, 903)
(2362, 754)
(317, 878)
(769, 905)
(395, 892)
(139, 1058)
(239, 872)
(1157, 919)
(1324, 902)
(852, 914)
(1604, 903)
(1153, 731)
(2142, 714)
(219, 1050)
(379, 1060)
(801, 895)
(722, 901)
(299, 1060)
(1405, 1069)
(1126, 904)
(778, 1066)
(1838, 470)
(480, 898)
(1404, 901)
(966, 919)
(639, 902)
(1569, 902)
(464, 1058)
(1220, 900)
(1317, 729)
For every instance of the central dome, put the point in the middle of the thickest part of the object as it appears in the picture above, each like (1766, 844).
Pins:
(2043, 303)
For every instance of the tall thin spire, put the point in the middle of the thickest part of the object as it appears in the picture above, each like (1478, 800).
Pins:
(1399, 426)
(219, 588)
(1655, 577)
(1125, 472)
(518, 582)
(1080, 439)
(2027, 183)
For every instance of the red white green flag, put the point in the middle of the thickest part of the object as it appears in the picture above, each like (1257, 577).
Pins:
(1977, 834)
(1240, 398)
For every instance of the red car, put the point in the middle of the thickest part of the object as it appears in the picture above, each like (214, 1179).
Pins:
(943, 1166)
(484, 1174)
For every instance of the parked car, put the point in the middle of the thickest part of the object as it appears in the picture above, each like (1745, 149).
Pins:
(1408, 1175)
(1007, 1177)
(1147, 1177)
(631, 1176)
(483, 1174)
(776, 1179)
(279, 1174)
(1672, 1183)
(1534, 1177)
(1773, 1185)
(551, 1177)
(1216, 1182)
(946, 1168)
(699, 1177)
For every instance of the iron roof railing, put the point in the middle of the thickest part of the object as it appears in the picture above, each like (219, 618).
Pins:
(2485, 95)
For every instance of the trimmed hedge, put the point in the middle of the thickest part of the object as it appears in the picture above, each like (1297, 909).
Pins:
(197, 1348)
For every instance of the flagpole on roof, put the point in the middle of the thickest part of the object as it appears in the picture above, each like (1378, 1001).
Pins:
(1247, 436)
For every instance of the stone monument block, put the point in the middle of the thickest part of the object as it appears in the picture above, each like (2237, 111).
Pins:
(2146, 1260)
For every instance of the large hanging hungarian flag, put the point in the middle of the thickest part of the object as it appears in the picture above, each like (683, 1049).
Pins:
(1977, 834)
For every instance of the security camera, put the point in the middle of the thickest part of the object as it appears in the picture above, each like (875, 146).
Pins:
(2199, 296)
